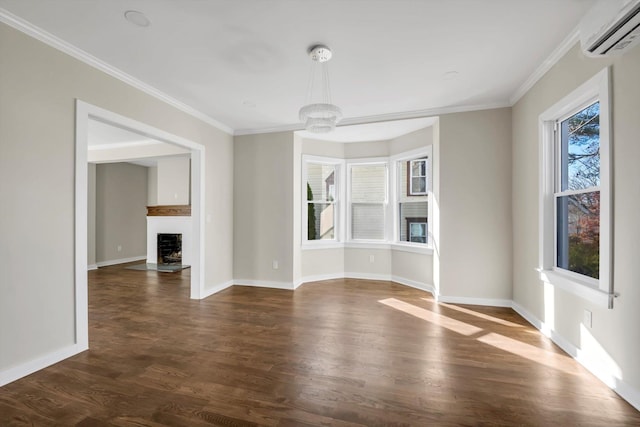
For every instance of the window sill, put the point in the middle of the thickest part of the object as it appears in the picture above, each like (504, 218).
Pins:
(401, 247)
(367, 245)
(576, 287)
(309, 246)
(417, 249)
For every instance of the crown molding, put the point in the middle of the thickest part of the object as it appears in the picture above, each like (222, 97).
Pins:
(430, 112)
(71, 50)
(557, 54)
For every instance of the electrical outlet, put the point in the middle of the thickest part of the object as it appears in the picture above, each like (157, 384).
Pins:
(372, 259)
(274, 264)
(119, 248)
(588, 319)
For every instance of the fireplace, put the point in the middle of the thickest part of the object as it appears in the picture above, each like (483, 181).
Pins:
(172, 226)
(169, 249)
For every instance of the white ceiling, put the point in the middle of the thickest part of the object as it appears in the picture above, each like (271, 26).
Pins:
(103, 135)
(244, 63)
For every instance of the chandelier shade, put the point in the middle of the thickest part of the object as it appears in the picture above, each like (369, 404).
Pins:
(319, 115)
(320, 118)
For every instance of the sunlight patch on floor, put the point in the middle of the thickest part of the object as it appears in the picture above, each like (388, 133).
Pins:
(480, 315)
(435, 318)
(548, 358)
(535, 354)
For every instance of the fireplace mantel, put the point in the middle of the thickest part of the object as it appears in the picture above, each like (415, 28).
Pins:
(169, 210)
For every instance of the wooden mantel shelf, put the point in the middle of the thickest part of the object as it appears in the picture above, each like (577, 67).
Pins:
(169, 210)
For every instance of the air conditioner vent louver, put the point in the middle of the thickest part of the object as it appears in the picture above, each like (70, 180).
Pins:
(610, 27)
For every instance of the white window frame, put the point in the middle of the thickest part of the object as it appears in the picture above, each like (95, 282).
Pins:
(365, 162)
(338, 233)
(599, 291)
(395, 182)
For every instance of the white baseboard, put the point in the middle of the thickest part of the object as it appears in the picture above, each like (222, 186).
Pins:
(319, 278)
(368, 276)
(415, 284)
(92, 267)
(264, 284)
(27, 368)
(625, 391)
(120, 261)
(216, 288)
(388, 278)
(491, 302)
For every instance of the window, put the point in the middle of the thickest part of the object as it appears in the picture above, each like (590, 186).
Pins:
(368, 201)
(412, 199)
(575, 192)
(417, 230)
(321, 202)
(417, 177)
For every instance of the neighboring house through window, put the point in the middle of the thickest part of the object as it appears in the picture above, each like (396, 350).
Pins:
(322, 212)
(417, 177)
(412, 197)
(367, 200)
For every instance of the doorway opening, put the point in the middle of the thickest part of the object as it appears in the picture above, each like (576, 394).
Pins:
(84, 114)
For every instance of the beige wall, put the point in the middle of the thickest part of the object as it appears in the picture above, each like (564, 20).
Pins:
(417, 268)
(358, 150)
(614, 331)
(322, 262)
(152, 186)
(173, 181)
(411, 141)
(121, 213)
(38, 89)
(475, 204)
(263, 206)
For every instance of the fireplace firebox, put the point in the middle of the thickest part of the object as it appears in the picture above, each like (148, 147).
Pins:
(169, 249)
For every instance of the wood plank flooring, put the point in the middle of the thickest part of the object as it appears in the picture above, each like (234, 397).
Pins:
(334, 353)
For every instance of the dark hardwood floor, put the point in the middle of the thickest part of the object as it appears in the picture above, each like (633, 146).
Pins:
(334, 353)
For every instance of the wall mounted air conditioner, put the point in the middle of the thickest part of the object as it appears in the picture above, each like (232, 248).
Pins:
(610, 27)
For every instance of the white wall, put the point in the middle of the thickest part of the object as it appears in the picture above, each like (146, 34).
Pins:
(613, 343)
(173, 181)
(38, 89)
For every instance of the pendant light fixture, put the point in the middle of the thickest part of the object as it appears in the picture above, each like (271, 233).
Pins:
(319, 114)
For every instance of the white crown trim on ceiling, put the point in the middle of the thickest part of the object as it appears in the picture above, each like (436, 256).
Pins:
(546, 65)
(57, 43)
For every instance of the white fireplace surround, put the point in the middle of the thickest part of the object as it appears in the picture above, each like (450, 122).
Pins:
(169, 225)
